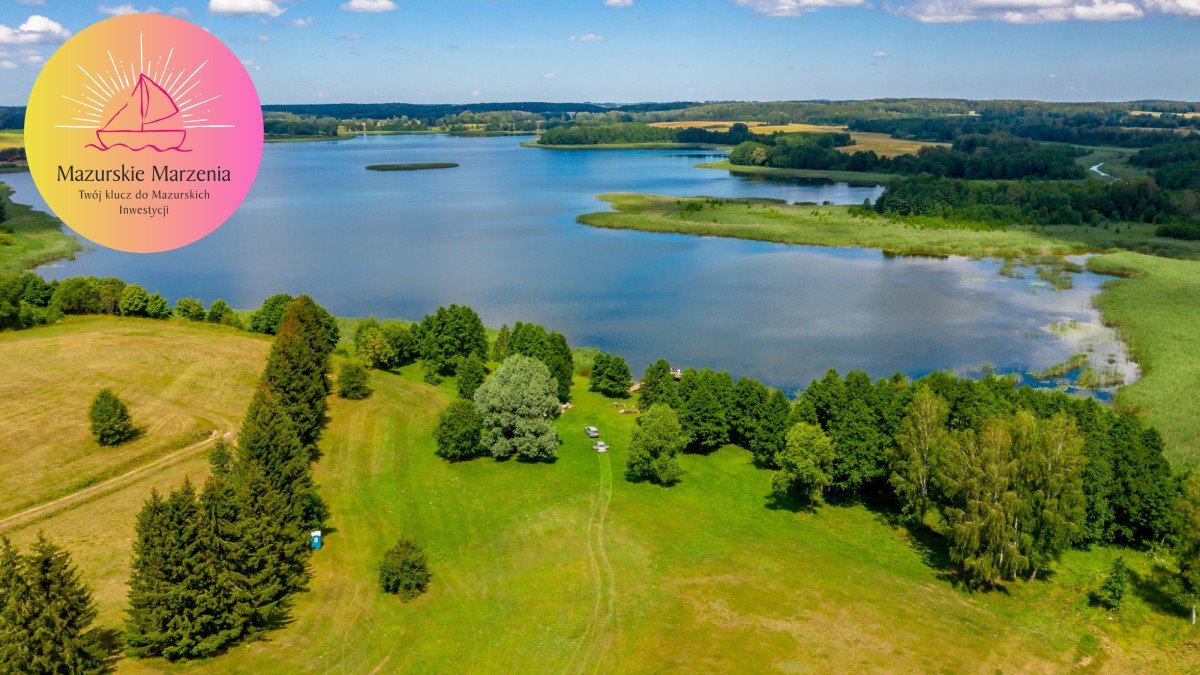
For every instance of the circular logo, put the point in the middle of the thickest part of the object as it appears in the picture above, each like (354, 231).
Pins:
(143, 133)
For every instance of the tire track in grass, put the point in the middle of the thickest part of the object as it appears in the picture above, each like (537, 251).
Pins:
(602, 574)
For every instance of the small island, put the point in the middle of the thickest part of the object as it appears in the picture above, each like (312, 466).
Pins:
(419, 166)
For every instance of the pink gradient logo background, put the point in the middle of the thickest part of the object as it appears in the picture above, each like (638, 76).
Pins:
(144, 92)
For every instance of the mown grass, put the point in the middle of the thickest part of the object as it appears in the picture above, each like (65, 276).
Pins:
(35, 237)
(852, 177)
(569, 567)
(765, 220)
(181, 381)
(1156, 311)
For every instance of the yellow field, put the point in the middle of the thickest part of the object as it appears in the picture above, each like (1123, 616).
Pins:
(11, 139)
(759, 127)
(1158, 114)
(884, 145)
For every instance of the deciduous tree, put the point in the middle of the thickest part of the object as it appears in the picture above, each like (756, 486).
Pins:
(655, 445)
(517, 404)
(805, 464)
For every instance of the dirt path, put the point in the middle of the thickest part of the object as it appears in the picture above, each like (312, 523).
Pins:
(80, 497)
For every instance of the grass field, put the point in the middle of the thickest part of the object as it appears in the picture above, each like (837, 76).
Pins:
(569, 567)
(37, 237)
(765, 220)
(176, 398)
(1114, 161)
(1159, 318)
(852, 177)
(882, 144)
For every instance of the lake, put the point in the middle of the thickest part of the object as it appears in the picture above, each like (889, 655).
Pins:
(499, 234)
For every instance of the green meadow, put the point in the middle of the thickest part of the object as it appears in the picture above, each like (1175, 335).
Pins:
(567, 566)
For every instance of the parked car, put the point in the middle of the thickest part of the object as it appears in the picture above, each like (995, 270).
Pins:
(592, 432)
(600, 446)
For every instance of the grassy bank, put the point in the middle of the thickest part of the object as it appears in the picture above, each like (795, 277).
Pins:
(35, 238)
(1155, 309)
(416, 166)
(766, 220)
(852, 177)
(630, 146)
(569, 567)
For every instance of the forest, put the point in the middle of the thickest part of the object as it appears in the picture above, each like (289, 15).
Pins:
(975, 157)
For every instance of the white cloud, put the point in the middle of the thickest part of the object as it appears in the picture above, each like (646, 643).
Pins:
(1031, 11)
(7, 65)
(264, 39)
(1185, 7)
(118, 10)
(794, 7)
(618, 3)
(180, 11)
(245, 7)
(37, 29)
(251, 65)
(368, 6)
(475, 92)
(303, 23)
(589, 37)
(549, 76)
(880, 55)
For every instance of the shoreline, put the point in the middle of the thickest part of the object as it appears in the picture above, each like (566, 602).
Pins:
(851, 177)
(631, 146)
(38, 237)
(1142, 303)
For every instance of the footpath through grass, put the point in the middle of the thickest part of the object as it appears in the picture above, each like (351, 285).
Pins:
(35, 237)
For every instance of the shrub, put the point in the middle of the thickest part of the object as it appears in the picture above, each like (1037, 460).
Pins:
(404, 570)
(220, 312)
(459, 431)
(352, 381)
(190, 309)
(1112, 591)
(111, 423)
(133, 300)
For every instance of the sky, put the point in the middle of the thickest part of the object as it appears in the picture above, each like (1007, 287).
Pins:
(620, 51)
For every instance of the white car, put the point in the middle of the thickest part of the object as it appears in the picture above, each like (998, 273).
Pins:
(592, 432)
(600, 446)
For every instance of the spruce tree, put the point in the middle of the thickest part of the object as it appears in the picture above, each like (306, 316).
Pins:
(268, 438)
(298, 366)
(224, 611)
(275, 558)
(46, 612)
(111, 423)
(500, 346)
(156, 570)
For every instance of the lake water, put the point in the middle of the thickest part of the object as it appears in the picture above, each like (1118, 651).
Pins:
(499, 234)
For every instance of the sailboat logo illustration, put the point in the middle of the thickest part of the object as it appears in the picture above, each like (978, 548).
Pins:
(149, 119)
(142, 103)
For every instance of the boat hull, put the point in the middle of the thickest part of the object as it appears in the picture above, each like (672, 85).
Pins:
(160, 141)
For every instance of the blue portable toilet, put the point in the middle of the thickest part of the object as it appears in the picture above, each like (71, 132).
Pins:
(315, 539)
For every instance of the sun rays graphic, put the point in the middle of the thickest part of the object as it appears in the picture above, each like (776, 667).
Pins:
(147, 103)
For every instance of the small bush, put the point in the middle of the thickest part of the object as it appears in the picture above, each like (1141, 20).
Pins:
(111, 423)
(1112, 592)
(352, 381)
(190, 309)
(404, 570)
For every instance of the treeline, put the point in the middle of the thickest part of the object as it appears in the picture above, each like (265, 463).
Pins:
(1176, 166)
(586, 134)
(992, 156)
(1080, 128)
(1089, 202)
(215, 567)
(1016, 476)
(28, 300)
(287, 124)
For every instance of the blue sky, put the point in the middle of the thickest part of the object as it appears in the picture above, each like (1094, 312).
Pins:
(659, 50)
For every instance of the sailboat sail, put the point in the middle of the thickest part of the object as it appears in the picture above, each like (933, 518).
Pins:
(148, 119)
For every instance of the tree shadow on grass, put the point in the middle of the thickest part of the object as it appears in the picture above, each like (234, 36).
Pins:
(112, 644)
(789, 502)
(1155, 589)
